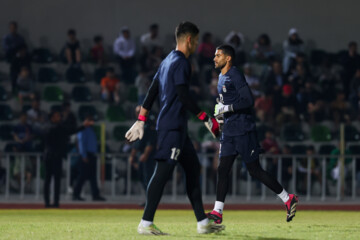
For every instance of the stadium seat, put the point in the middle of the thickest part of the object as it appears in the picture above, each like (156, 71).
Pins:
(293, 132)
(133, 94)
(351, 134)
(6, 113)
(298, 149)
(47, 75)
(3, 94)
(326, 149)
(320, 133)
(75, 75)
(99, 74)
(119, 132)
(53, 94)
(6, 132)
(81, 94)
(42, 55)
(85, 110)
(115, 114)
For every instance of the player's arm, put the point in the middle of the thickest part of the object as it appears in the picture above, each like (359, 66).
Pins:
(190, 105)
(137, 129)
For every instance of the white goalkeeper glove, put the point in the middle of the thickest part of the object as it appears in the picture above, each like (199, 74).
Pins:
(220, 108)
(136, 131)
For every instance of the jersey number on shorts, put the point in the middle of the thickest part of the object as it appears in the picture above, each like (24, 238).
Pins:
(175, 153)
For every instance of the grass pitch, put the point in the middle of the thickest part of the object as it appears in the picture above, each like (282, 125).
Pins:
(122, 224)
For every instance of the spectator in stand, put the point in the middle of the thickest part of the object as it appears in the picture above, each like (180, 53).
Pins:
(287, 169)
(88, 164)
(270, 146)
(71, 52)
(25, 85)
(124, 49)
(339, 109)
(37, 118)
(153, 61)
(329, 80)
(300, 59)
(333, 169)
(110, 87)
(264, 108)
(285, 107)
(354, 97)
(252, 80)
(151, 39)
(236, 40)
(274, 79)
(142, 83)
(69, 118)
(298, 78)
(213, 86)
(23, 135)
(21, 59)
(311, 105)
(12, 42)
(206, 50)
(97, 52)
(262, 50)
(195, 88)
(292, 46)
(350, 62)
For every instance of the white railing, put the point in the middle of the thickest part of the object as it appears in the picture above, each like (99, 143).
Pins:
(119, 161)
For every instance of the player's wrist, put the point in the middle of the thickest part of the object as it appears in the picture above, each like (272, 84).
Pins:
(142, 118)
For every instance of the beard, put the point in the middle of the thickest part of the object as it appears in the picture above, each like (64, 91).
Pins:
(220, 66)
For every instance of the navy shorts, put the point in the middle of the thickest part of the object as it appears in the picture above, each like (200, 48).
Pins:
(246, 145)
(175, 146)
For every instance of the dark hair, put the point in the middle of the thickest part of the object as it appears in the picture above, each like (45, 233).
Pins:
(266, 38)
(110, 69)
(66, 104)
(206, 36)
(98, 38)
(13, 23)
(352, 44)
(154, 26)
(186, 28)
(227, 50)
(71, 32)
(52, 113)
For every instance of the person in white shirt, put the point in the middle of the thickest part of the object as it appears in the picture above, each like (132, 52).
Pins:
(124, 49)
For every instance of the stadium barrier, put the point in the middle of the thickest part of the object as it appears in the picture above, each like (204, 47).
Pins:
(120, 168)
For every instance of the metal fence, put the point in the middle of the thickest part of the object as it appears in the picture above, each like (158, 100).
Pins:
(309, 171)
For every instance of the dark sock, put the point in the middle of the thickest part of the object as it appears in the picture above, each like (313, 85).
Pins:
(155, 188)
(256, 171)
(223, 175)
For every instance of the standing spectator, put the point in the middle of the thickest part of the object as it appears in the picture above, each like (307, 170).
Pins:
(274, 79)
(55, 150)
(153, 61)
(270, 146)
(252, 80)
(110, 87)
(350, 62)
(124, 49)
(21, 59)
(298, 78)
(151, 39)
(71, 51)
(285, 106)
(354, 93)
(25, 85)
(262, 50)
(264, 108)
(339, 109)
(12, 42)
(97, 52)
(206, 50)
(68, 116)
(23, 135)
(88, 164)
(142, 83)
(37, 118)
(292, 46)
(236, 40)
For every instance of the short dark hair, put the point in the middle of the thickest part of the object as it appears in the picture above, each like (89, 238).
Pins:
(110, 69)
(13, 23)
(98, 38)
(227, 50)
(71, 32)
(352, 44)
(154, 26)
(186, 28)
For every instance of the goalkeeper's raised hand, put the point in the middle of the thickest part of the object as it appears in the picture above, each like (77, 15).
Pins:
(210, 123)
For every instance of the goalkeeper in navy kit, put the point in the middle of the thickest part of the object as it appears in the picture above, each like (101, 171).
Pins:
(235, 108)
(171, 85)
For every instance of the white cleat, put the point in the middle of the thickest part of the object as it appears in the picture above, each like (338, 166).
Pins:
(211, 227)
(151, 230)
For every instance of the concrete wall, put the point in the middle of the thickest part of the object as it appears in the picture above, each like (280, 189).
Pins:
(327, 24)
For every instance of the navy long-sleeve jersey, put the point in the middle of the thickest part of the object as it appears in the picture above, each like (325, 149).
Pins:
(233, 89)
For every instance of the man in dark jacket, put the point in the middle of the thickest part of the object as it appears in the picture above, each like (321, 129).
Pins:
(56, 141)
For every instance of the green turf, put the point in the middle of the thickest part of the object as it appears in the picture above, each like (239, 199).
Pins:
(122, 224)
